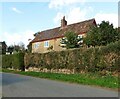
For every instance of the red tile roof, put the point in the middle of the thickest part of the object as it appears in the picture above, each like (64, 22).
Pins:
(79, 28)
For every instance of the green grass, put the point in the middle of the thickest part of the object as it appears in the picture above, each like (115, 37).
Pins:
(86, 79)
(0, 69)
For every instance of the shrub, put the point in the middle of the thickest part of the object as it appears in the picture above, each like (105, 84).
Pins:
(15, 61)
(92, 59)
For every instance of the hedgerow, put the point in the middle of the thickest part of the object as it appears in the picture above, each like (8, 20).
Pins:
(95, 59)
(14, 61)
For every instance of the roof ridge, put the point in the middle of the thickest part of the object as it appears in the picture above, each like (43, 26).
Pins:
(82, 21)
(68, 25)
(50, 29)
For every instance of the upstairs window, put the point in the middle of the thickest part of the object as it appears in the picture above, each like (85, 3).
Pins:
(46, 43)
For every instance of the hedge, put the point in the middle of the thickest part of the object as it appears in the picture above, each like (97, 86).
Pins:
(95, 59)
(14, 61)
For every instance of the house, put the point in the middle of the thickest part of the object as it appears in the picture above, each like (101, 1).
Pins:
(3, 47)
(47, 40)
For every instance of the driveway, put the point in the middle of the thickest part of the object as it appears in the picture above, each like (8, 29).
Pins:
(14, 85)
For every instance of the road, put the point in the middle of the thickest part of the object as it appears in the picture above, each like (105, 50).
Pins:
(15, 85)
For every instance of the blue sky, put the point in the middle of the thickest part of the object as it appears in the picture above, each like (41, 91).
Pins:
(20, 20)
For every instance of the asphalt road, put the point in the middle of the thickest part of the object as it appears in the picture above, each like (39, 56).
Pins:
(14, 85)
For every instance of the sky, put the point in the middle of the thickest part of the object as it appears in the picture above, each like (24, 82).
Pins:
(20, 20)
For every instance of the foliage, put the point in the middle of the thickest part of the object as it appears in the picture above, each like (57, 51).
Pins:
(103, 34)
(50, 48)
(98, 59)
(3, 47)
(10, 49)
(20, 47)
(29, 47)
(71, 40)
(13, 61)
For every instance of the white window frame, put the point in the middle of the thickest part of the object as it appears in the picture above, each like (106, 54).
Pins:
(80, 36)
(36, 45)
(46, 43)
(64, 39)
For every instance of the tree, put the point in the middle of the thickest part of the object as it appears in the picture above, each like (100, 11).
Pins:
(11, 49)
(3, 47)
(71, 40)
(22, 46)
(29, 46)
(118, 30)
(102, 34)
(92, 37)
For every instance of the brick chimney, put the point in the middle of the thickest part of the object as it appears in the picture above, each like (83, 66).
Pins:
(63, 22)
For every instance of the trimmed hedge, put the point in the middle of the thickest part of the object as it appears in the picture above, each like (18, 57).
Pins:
(14, 61)
(88, 60)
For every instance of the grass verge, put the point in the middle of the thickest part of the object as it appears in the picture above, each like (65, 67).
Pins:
(86, 79)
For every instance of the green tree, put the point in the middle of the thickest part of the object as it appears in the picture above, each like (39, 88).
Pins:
(22, 46)
(118, 30)
(71, 40)
(11, 49)
(102, 34)
(29, 46)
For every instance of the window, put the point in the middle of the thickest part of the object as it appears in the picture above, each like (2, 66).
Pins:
(62, 40)
(46, 43)
(80, 36)
(81, 39)
(36, 45)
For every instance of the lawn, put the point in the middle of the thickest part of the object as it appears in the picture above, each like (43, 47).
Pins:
(86, 79)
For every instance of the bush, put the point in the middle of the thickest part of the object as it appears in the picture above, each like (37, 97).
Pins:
(88, 60)
(15, 61)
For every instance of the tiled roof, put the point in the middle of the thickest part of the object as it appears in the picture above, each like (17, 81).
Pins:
(79, 28)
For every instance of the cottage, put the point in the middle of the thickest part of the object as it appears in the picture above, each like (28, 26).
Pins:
(50, 39)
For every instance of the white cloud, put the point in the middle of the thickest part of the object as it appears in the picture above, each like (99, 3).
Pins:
(73, 15)
(52, 0)
(16, 10)
(61, 3)
(111, 17)
(76, 15)
(58, 17)
(15, 38)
